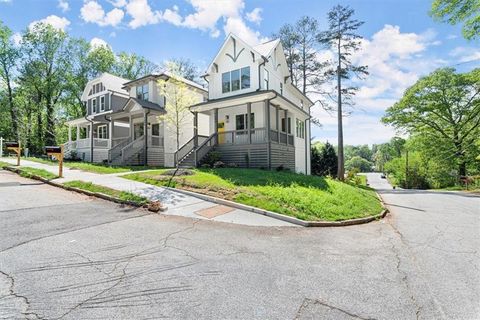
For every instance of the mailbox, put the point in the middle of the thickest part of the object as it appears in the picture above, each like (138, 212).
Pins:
(53, 149)
(12, 145)
(57, 152)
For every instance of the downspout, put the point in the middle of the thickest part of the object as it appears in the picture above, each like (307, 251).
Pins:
(91, 138)
(259, 71)
(111, 138)
(269, 142)
(145, 137)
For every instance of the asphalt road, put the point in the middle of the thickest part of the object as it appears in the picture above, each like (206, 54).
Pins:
(67, 256)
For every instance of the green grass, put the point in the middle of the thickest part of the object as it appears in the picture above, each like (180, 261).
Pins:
(122, 195)
(4, 164)
(304, 197)
(92, 167)
(28, 172)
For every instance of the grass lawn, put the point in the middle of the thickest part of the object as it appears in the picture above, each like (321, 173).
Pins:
(4, 164)
(304, 197)
(122, 195)
(92, 167)
(28, 172)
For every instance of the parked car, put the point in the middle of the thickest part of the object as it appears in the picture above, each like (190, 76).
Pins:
(383, 176)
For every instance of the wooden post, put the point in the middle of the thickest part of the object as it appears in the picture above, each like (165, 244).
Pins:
(78, 132)
(69, 133)
(19, 151)
(249, 119)
(1, 147)
(285, 121)
(60, 165)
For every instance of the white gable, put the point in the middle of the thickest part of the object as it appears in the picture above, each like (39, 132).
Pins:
(109, 81)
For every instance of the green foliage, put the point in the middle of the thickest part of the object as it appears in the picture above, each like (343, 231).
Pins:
(359, 163)
(443, 109)
(458, 11)
(362, 151)
(122, 195)
(211, 158)
(324, 161)
(301, 196)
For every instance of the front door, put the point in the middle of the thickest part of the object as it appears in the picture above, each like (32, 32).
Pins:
(221, 128)
(137, 130)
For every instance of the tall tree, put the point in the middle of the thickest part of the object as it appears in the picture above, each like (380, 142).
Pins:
(458, 11)
(445, 107)
(324, 160)
(9, 56)
(290, 41)
(342, 38)
(47, 64)
(182, 67)
(132, 66)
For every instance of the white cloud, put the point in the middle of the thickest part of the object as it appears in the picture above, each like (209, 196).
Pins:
(238, 27)
(465, 54)
(93, 12)
(17, 38)
(452, 36)
(142, 14)
(254, 16)
(118, 3)
(5, 1)
(172, 16)
(97, 42)
(113, 34)
(53, 20)
(63, 5)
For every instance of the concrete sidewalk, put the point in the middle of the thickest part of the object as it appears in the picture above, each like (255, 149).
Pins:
(178, 204)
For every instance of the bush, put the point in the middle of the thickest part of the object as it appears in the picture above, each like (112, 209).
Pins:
(324, 161)
(352, 174)
(211, 158)
(359, 163)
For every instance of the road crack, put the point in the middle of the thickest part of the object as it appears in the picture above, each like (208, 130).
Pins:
(307, 302)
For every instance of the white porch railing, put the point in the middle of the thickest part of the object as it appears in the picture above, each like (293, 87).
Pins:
(132, 148)
(97, 143)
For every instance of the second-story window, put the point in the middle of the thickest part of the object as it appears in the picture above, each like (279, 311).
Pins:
(281, 88)
(102, 103)
(236, 80)
(265, 78)
(94, 105)
(142, 92)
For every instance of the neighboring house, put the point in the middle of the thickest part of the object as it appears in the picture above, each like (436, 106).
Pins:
(254, 116)
(119, 113)
(258, 118)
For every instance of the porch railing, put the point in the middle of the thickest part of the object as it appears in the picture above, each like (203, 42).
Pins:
(132, 148)
(241, 136)
(116, 150)
(287, 139)
(204, 147)
(184, 150)
(156, 141)
(97, 143)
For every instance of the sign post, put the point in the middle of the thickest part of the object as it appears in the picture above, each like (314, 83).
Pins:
(1, 147)
(57, 152)
(16, 147)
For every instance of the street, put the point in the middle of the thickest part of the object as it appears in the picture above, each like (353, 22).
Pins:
(68, 256)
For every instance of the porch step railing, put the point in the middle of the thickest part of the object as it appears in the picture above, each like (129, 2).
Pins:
(184, 151)
(116, 151)
(132, 148)
(204, 148)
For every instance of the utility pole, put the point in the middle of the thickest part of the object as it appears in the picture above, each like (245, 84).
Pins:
(406, 169)
(1, 147)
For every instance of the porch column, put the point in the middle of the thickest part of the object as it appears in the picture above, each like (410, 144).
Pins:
(78, 132)
(110, 132)
(130, 124)
(277, 119)
(195, 129)
(69, 133)
(91, 142)
(267, 135)
(145, 136)
(215, 123)
(286, 126)
(249, 119)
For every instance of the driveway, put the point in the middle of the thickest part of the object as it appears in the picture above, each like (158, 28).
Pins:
(67, 256)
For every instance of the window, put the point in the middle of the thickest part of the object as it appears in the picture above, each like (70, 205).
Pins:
(102, 132)
(236, 80)
(241, 121)
(225, 82)
(142, 92)
(289, 125)
(246, 78)
(300, 129)
(102, 103)
(94, 105)
(301, 103)
(265, 78)
(281, 88)
(156, 129)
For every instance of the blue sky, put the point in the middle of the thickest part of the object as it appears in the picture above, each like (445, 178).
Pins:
(401, 44)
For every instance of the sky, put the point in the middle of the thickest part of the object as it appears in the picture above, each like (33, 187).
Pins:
(401, 41)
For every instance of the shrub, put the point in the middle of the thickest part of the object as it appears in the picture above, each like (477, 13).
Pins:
(219, 164)
(211, 158)
(280, 168)
(232, 165)
(352, 174)
(359, 163)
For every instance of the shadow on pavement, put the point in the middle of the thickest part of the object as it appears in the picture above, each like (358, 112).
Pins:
(451, 193)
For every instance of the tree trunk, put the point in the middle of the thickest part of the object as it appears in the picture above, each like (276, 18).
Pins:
(50, 134)
(13, 110)
(341, 168)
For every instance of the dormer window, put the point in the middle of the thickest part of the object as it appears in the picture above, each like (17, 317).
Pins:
(236, 80)
(142, 92)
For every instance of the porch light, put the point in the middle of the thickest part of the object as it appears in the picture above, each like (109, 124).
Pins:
(227, 118)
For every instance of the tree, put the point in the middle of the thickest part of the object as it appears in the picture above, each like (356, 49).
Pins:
(182, 67)
(290, 40)
(445, 107)
(179, 97)
(132, 66)
(9, 56)
(458, 11)
(341, 37)
(356, 162)
(324, 160)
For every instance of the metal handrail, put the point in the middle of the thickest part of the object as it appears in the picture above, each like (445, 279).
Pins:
(116, 150)
(132, 148)
(178, 155)
(202, 150)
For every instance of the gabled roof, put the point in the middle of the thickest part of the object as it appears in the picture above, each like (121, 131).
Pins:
(267, 47)
(110, 81)
(145, 104)
(165, 74)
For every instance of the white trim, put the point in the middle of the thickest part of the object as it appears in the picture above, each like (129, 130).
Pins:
(98, 131)
(102, 98)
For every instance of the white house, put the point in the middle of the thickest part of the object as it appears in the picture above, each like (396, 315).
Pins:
(252, 115)
(258, 118)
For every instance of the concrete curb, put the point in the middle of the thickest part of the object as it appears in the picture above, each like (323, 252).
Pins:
(279, 216)
(88, 193)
